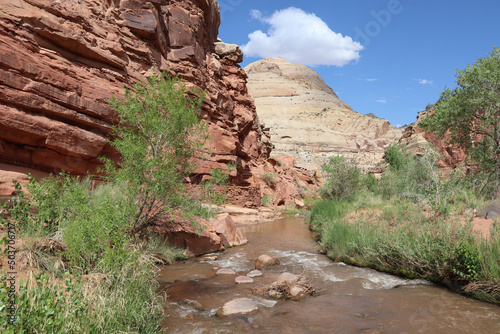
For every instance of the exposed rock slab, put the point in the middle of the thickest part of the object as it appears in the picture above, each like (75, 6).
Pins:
(308, 121)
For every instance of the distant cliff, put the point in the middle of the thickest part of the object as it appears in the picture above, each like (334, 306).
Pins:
(308, 121)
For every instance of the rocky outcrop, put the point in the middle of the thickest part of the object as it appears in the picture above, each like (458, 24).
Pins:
(61, 61)
(204, 236)
(308, 121)
(416, 139)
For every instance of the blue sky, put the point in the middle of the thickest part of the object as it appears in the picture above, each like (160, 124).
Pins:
(387, 57)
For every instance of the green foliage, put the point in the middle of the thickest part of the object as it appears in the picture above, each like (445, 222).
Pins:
(218, 178)
(96, 226)
(35, 214)
(125, 302)
(415, 178)
(158, 136)
(343, 179)
(465, 260)
(397, 158)
(371, 183)
(269, 178)
(470, 113)
(266, 200)
(44, 308)
(404, 241)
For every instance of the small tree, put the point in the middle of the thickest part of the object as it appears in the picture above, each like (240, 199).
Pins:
(343, 179)
(158, 135)
(470, 113)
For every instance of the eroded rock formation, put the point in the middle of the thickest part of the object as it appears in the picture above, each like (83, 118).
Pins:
(416, 139)
(61, 61)
(308, 121)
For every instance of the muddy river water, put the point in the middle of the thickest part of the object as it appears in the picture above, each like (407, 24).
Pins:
(349, 299)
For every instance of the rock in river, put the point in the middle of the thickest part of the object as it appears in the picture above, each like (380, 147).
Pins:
(238, 306)
(265, 261)
(243, 280)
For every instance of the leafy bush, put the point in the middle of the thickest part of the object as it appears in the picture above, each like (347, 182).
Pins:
(124, 302)
(159, 134)
(44, 308)
(469, 114)
(343, 179)
(96, 229)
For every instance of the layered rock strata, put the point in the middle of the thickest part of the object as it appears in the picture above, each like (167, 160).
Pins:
(308, 121)
(61, 61)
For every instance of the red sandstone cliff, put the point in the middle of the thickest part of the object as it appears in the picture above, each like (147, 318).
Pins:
(60, 62)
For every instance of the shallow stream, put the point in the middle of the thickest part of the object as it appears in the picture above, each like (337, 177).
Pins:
(349, 299)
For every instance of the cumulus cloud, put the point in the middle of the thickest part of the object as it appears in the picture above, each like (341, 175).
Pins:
(381, 101)
(302, 38)
(425, 82)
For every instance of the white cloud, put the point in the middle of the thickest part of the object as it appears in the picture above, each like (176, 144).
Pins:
(302, 38)
(381, 101)
(425, 82)
(371, 80)
(256, 14)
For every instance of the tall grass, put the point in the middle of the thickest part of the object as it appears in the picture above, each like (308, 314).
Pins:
(124, 302)
(403, 240)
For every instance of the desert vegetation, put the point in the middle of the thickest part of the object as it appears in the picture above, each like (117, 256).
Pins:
(414, 221)
(88, 243)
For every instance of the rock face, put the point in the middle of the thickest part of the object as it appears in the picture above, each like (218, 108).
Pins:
(200, 240)
(61, 61)
(415, 139)
(308, 121)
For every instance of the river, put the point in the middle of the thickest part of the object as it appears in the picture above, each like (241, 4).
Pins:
(349, 299)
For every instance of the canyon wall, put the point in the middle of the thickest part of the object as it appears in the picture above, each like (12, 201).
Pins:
(308, 121)
(61, 61)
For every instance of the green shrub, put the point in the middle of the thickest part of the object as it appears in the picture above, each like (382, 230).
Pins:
(43, 307)
(269, 178)
(159, 135)
(343, 179)
(96, 231)
(124, 302)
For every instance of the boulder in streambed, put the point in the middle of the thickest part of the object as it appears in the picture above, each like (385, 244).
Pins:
(229, 233)
(288, 286)
(238, 306)
(254, 273)
(265, 261)
(225, 271)
(194, 304)
(243, 280)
